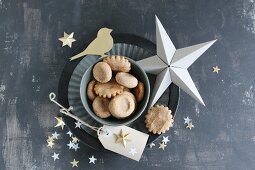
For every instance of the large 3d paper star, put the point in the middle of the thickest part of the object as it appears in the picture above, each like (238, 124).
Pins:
(171, 64)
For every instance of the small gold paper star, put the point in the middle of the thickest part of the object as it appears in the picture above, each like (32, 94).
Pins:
(50, 144)
(50, 139)
(67, 39)
(122, 138)
(216, 69)
(162, 146)
(60, 122)
(190, 126)
(75, 140)
(74, 163)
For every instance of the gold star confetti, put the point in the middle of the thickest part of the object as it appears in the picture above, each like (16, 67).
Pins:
(75, 140)
(216, 69)
(50, 144)
(162, 146)
(122, 138)
(67, 39)
(50, 139)
(190, 126)
(60, 122)
(74, 163)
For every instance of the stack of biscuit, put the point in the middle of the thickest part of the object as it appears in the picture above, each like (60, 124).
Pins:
(111, 89)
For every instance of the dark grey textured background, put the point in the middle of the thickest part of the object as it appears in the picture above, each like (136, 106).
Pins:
(31, 61)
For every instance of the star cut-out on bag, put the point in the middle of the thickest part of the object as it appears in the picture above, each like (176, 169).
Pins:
(171, 65)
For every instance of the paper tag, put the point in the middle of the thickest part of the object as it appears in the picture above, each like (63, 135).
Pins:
(123, 140)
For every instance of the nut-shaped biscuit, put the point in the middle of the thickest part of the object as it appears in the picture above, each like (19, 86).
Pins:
(90, 90)
(139, 91)
(159, 119)
(101, 107)
(126, 79)
(102, 72)
(118, 63)
(122, 106)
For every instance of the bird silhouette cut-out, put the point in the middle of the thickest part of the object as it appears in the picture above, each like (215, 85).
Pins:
(99, 46)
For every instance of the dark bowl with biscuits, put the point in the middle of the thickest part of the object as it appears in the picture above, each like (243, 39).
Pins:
(115, 91)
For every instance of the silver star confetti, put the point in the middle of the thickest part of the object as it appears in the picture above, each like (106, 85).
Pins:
(69, 133)
(132, 151)
(165, 140)
(70, 145)
(152, 144)
(75, 147)
(55, 156)
(77, 124)
(187, 120)
(92, 159)
(55, 135)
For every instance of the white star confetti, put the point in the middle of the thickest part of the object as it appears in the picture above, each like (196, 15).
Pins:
(92, 159)
(187, 120)
(67, 39)
(55, 156)
(69, 133)
(132, 151)
(77, 124)
(152, 144)
(70, 145)
(55, 135)
(74, 163)
(165, 140)
(75, 147)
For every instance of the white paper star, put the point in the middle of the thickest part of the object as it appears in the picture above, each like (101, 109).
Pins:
(171, 64)
(75, 147)
(55, 135)
(152, 144)
(77, 124)
(187, 120)
(132, 151)
(69, 133)
(92, 159)
(165, 140)
(70, 145)
(55, 156)
(67, 39)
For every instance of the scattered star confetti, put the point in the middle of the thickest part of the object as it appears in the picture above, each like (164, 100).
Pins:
(74, 163)
(152, 144)
(216, 69)
(75, 140)
(187, 120)
(55, 135)
(50, 139)
(162, 146)
(132, 151)
(50, 144)
(92, 159)
(60, 122)
(165, 140)
(190, 126)
(75, 147)
(67, 39)
(55, 156)
(69, 133)
(70, 145)
(77, 124)
(122, 138)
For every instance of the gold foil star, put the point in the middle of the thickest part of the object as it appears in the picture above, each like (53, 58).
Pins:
(50, 144)
(190, 126)
(122, 138)
(67, 39)
(216, 69)
(75, 140)
(162, 146)
(60, 122)
(74, 163)
(50, 139)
